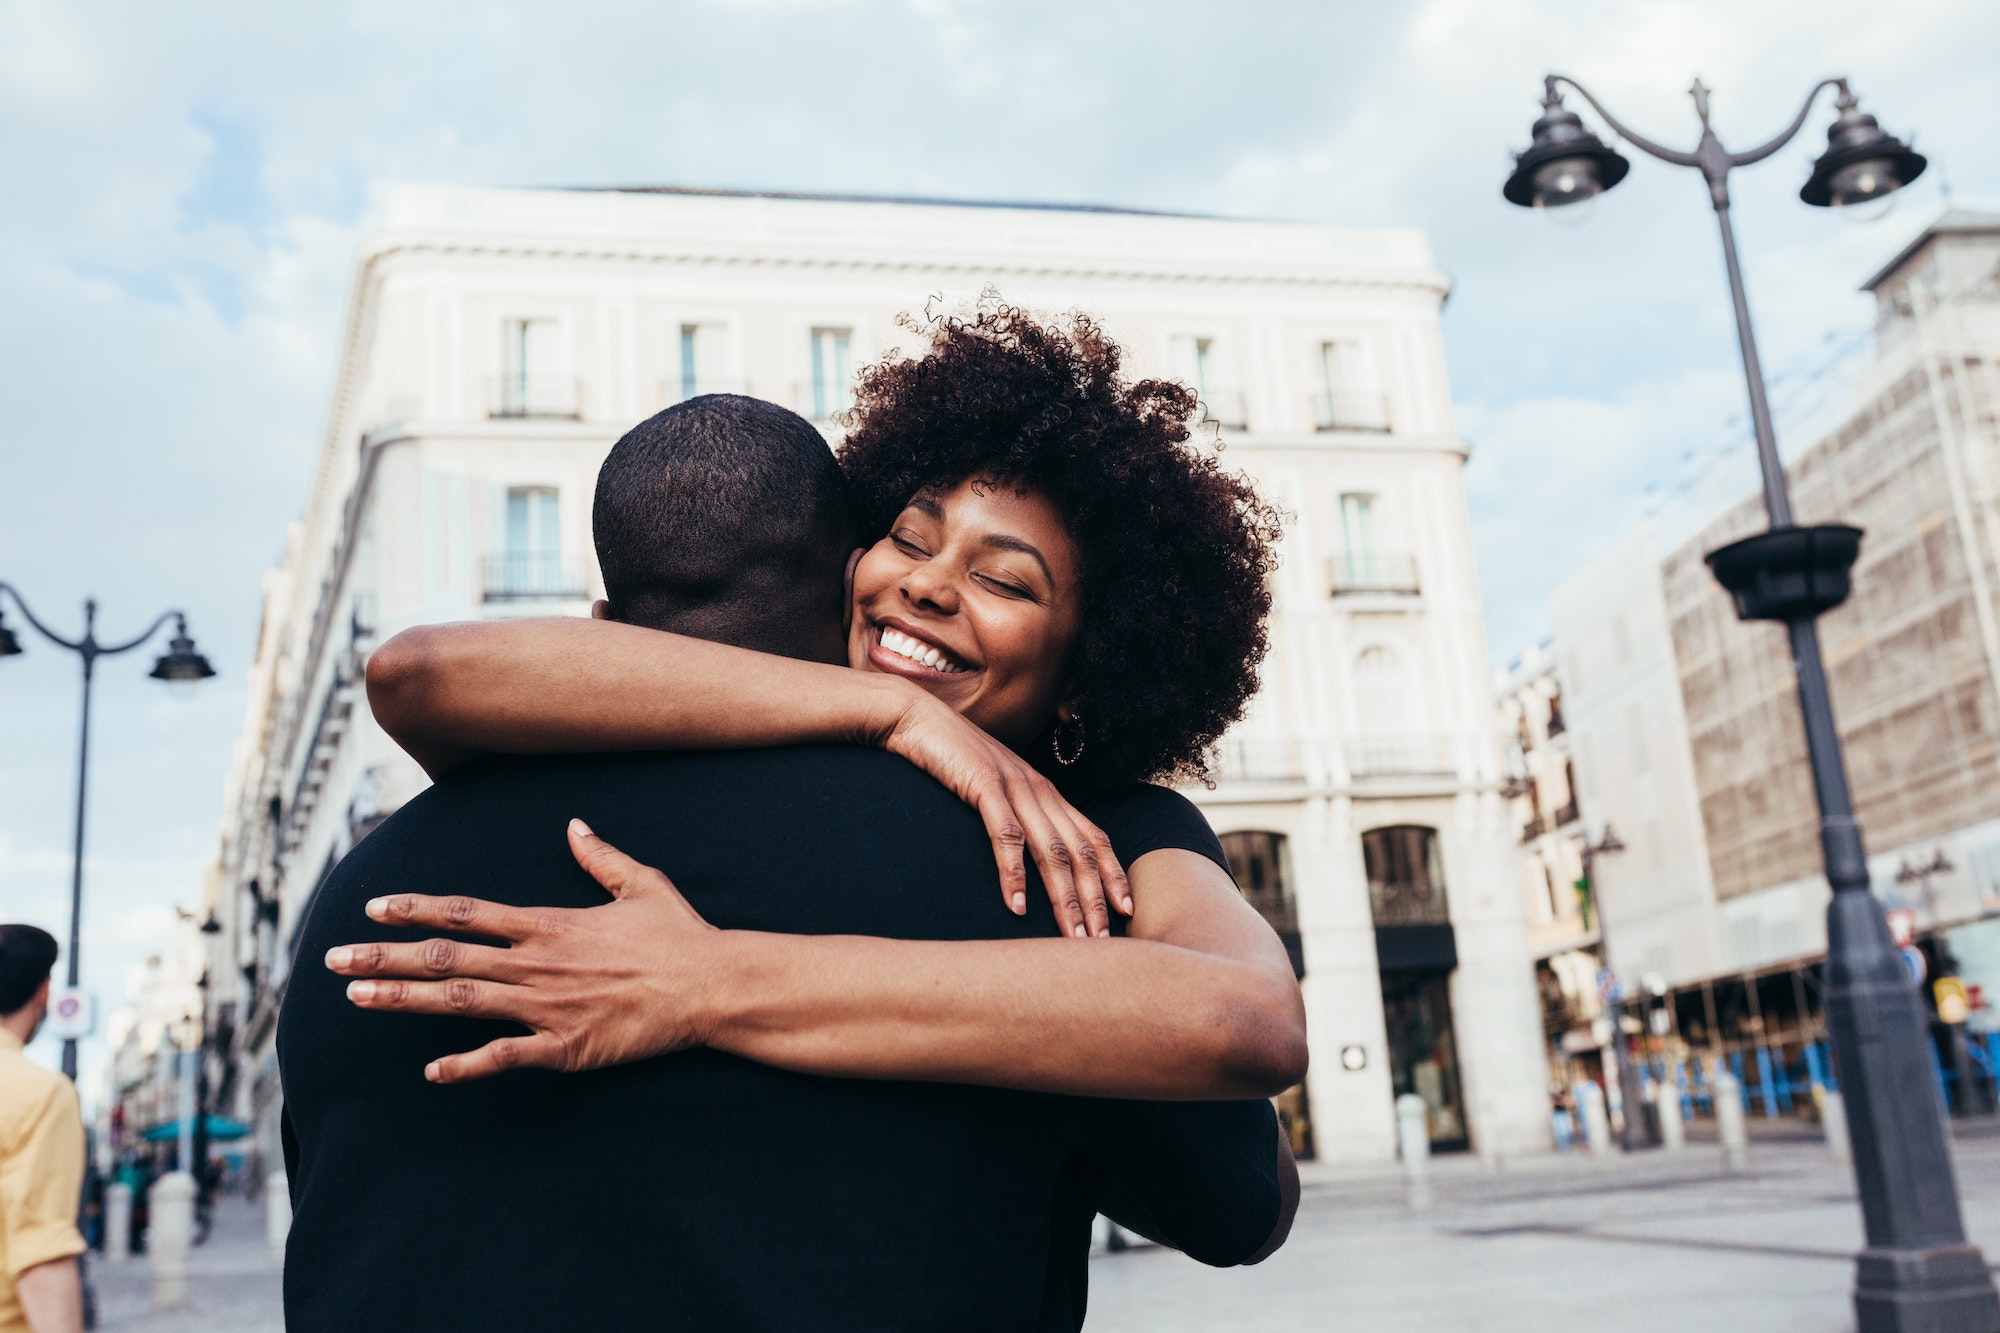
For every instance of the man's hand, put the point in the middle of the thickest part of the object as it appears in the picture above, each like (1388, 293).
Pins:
(596, 986)
(1021, 809)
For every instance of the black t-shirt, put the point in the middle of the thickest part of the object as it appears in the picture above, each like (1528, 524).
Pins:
(699, 1190)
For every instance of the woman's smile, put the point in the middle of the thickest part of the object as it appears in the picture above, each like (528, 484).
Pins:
(973, 595)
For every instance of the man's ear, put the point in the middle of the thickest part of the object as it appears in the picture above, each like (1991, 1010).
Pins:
(847, 586)
(600, 610)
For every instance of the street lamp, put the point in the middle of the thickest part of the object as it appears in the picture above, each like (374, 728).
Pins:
(1631, 1096)
(181, 664)
(1917, 1272)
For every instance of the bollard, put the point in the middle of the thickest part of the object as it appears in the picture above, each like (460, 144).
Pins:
(1414, 1135)
(117, 1222)
(1729, 1121)
(1833, 1119)
(170, 1237)
(1667, 1098)
(1596, 1120)
(277, 1215)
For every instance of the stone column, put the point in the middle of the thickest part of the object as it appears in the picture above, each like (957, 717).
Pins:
(170, 1238)
(1833, 1120)
(1729, 1119)
(1596, 1120)
(1667, 1098)
(117, 1222)
(1414, 1135)
(277, 1215)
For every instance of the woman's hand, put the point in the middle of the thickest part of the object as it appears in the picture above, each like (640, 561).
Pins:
(595, 986)
(1021, 808)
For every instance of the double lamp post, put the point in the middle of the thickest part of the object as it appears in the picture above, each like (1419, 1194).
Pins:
(182, 663)
(1917, 1272)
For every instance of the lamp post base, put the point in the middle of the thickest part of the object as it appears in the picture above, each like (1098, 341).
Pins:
(1943, 1290)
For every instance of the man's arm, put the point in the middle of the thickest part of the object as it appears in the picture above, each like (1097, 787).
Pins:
(51, 1295)
(1215, 1180)
(1199, 1003)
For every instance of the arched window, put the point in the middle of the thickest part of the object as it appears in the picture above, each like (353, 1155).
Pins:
(1405, 876)
(1260, 865)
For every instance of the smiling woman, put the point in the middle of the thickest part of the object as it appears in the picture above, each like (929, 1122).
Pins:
(1033, 499)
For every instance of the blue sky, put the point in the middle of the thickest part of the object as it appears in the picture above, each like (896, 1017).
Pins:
(187, 185)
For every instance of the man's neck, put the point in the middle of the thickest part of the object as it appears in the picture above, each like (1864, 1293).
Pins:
(22, 1023)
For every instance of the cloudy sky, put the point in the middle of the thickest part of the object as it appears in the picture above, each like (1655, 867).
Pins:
(186, 186)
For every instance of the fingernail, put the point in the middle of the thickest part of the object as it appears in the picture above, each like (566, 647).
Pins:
(1020, 904)
(1080, 931)
(377, 907)
(434, 1072)
(581, 829)
(1128, 907)
(361, 991)
(339, 958)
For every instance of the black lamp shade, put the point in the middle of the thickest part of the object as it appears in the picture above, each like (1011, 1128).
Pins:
(181, 663)
(10, 644)
(1788, 573)
(1862, 161)
(1565, 164)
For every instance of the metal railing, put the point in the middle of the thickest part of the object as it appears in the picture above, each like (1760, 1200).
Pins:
(533, 396)
(1355, 572)
(1260, 759)
(1226, 408)
(822, 400)
(1410, 756)
(522, 576)
(1408, 903)
(1534, 829)
(1566, 814)
(673, 389)
(1349, 411)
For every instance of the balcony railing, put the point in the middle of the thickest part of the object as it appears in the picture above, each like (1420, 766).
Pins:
(531, 576)
(673, 389)
(1260, 759)
(1350, 411)
(1226, 408)
(1567, 814)
(534, 396)
(1357, 572)
(1399, 757)
(821, 400)
(1408, 903)
(1534, 829)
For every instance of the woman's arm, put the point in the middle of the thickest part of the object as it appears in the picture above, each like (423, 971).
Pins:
(1198, 1003)
(447, 693)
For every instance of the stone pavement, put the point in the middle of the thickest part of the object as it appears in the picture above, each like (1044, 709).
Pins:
(1638, 1244)
(235, 1286)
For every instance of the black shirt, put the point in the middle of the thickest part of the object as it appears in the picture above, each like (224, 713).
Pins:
(699, 1190)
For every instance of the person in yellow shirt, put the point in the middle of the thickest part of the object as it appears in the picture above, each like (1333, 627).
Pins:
(41, 1153)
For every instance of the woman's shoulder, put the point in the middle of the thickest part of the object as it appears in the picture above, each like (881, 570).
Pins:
(1145, 817)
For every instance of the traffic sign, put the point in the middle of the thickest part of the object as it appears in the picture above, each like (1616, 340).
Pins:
(72, 1015)
(1913, 960)
(1953, 1005)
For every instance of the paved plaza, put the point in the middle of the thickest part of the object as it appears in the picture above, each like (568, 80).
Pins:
(1640, 1243)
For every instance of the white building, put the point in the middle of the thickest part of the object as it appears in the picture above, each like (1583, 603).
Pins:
(1685, 725)
(499, 341)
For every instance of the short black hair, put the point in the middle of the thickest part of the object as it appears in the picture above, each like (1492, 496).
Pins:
(727, 518)
(27, 956)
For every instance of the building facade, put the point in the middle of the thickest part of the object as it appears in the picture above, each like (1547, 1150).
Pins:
(1685, 723)
(499, 341)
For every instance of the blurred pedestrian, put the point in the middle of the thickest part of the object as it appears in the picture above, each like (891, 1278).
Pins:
(41, 1153)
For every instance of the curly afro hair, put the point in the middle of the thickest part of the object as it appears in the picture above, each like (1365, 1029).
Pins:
(1174, 551)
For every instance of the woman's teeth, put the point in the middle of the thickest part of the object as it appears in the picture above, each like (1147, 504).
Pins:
(919, 652)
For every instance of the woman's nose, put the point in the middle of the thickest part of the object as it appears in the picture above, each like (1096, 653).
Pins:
(931, 588)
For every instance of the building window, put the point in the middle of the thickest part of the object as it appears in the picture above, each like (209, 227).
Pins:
(531, 564)
(830, 391)
(1405, 876)
(1345, 400)
(1257, 861)
(700, 356)
(530, 383)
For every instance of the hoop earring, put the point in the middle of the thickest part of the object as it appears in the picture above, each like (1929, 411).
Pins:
(1055, 742)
